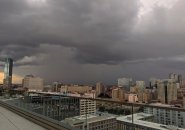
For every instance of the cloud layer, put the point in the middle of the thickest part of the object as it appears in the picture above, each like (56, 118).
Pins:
(84, 40)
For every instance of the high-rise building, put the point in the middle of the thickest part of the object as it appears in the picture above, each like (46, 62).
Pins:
(167, 91)
(33, 83)
(173, 76)
(153, 83)
(118, 94)
(8, 68)
(100, 88)
(140, 87)
(125, 83)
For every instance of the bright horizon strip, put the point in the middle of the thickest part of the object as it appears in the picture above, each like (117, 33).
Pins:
(16, 78)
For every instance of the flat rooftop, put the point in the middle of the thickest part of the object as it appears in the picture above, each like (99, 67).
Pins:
(138, 121)
(12, 121)
(90, 118)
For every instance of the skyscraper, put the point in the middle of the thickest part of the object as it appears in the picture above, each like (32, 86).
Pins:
(167, 91)
(8, 68)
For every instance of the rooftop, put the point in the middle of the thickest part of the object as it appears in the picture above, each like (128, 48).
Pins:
(12, 121)
(138, 121)
(90, 118)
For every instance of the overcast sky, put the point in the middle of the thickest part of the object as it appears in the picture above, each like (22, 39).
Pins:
(85, 41)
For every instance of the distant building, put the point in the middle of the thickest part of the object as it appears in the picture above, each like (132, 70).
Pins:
(75, 89)
(125, 83)
(132, 98)
(118, 94)
(8, 68)
(33, 83)
(56, 86)
(153, 83)
(141, 84)
(100, 88)
(177, 78)
(141, 88)
(144, 95)
(173, 76)
(167, 91)
(94, 122)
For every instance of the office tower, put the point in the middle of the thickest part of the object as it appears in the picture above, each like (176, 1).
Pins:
(141, 87)
(167, 91)
(100, 88)
(125, 83)
(33, 83)
(8, 68)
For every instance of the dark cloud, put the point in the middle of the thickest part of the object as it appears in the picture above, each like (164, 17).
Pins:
(92, 33)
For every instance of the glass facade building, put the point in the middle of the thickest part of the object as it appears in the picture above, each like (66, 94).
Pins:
(8, 68)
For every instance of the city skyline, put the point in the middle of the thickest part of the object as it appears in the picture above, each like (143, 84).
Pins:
(91, 41)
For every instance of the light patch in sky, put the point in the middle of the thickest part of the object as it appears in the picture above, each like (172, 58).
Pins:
(37, 2)
(16, 78)
(148, 5)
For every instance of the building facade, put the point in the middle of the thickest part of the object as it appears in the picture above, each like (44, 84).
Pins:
(142, 121)
(75, 89)
(100, 88)
(125, 83)
(118, 94)
(165, 116)
(132, 98)
(94, 122)
(33, 83)
(8, 69)
(167, 91)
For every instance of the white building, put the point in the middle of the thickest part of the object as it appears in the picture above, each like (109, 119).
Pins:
(33, 83)
(141, 121)
(93, 122)
(86, 106)
(165, 116)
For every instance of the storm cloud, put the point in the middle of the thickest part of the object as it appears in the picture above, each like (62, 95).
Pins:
(87, 41)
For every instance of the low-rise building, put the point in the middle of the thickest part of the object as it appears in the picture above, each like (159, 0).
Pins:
(93, 122)
(166, 116)
(141, 121)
